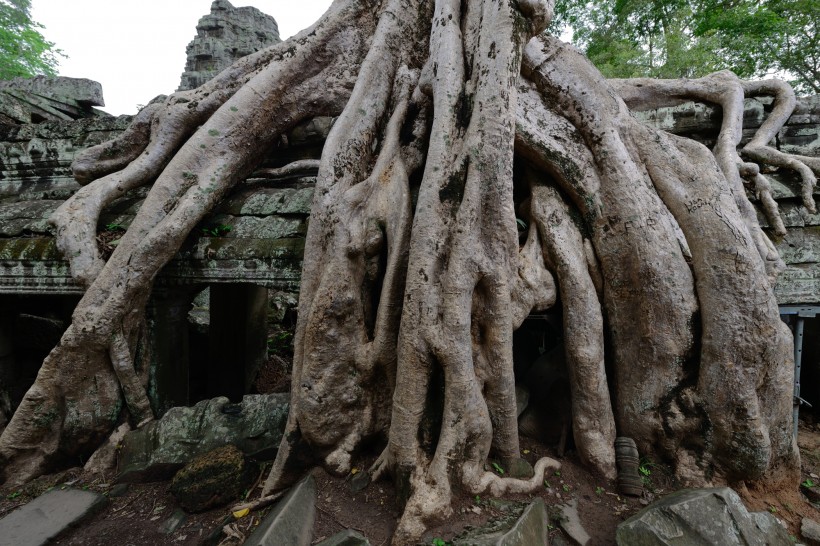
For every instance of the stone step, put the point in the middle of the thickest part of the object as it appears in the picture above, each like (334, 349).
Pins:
(291, 520)
(48, 516)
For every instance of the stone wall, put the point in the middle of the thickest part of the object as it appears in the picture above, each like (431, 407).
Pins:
(267, 219)
(255, 238)
(256, 235)
(800, 248)
(251, 243)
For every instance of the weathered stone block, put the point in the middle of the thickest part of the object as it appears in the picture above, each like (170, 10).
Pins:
(800, 246)
(159, 449)
(700, 516)
(570, 522)
(33, 100)
(348, 537)
(268, 201)
(62, 88)
(530, 528)
(810, 530)
(291, 520)
(47, 516)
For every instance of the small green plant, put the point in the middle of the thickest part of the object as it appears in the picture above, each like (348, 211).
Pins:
(114, 226)
(14, 495)
(440, 542)
(216, 231)
(773, 509)
(566, 488)
(477, 499)
(558, 473)
(280, 342)
(522, 225)
(547, 484)
(645, 468)
(497, 468)
(808, 482)
(599, 490)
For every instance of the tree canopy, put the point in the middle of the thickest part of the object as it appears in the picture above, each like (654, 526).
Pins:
(679, 39)
(24, 52)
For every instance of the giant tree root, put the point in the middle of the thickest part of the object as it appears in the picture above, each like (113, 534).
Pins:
(76, 398)
(452, 126)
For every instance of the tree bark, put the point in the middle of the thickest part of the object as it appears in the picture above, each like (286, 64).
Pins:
(414, 279)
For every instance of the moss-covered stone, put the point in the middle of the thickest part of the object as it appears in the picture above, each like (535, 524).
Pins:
(213, 479)
(160, 448)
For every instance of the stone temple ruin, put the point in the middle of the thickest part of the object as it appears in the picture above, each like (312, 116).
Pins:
(223, 36)
(210, 308)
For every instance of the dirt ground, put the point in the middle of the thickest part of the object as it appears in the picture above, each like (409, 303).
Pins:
(137, 513)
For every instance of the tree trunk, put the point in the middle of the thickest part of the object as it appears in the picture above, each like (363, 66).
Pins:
(414, 279)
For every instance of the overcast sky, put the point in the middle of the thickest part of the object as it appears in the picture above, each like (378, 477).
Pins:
(136, 48)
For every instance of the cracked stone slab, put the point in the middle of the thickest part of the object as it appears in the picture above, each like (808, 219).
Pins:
(48, 516)
(348, 537)
(810, 530)
(291, 520)
(571, 523)
(701, 516)
(530, 528)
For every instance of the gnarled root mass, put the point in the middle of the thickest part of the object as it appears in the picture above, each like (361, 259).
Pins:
(454, 127)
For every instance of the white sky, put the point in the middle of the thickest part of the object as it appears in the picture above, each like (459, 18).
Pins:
(136, 48)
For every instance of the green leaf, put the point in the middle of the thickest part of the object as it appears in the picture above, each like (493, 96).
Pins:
(24, 52)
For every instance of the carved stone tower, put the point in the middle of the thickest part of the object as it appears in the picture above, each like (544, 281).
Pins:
(223, 36)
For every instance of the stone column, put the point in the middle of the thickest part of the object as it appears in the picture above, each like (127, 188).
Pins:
(237, 338)
(167, 344)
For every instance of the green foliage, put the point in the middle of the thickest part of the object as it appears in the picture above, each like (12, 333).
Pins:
(280, 342)
(645, 468)
(808, 482)
(684, 39)
(796, 40)
(440, 542)
(497, 468)
(24, 52)
(216, 231)
(114, 226)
